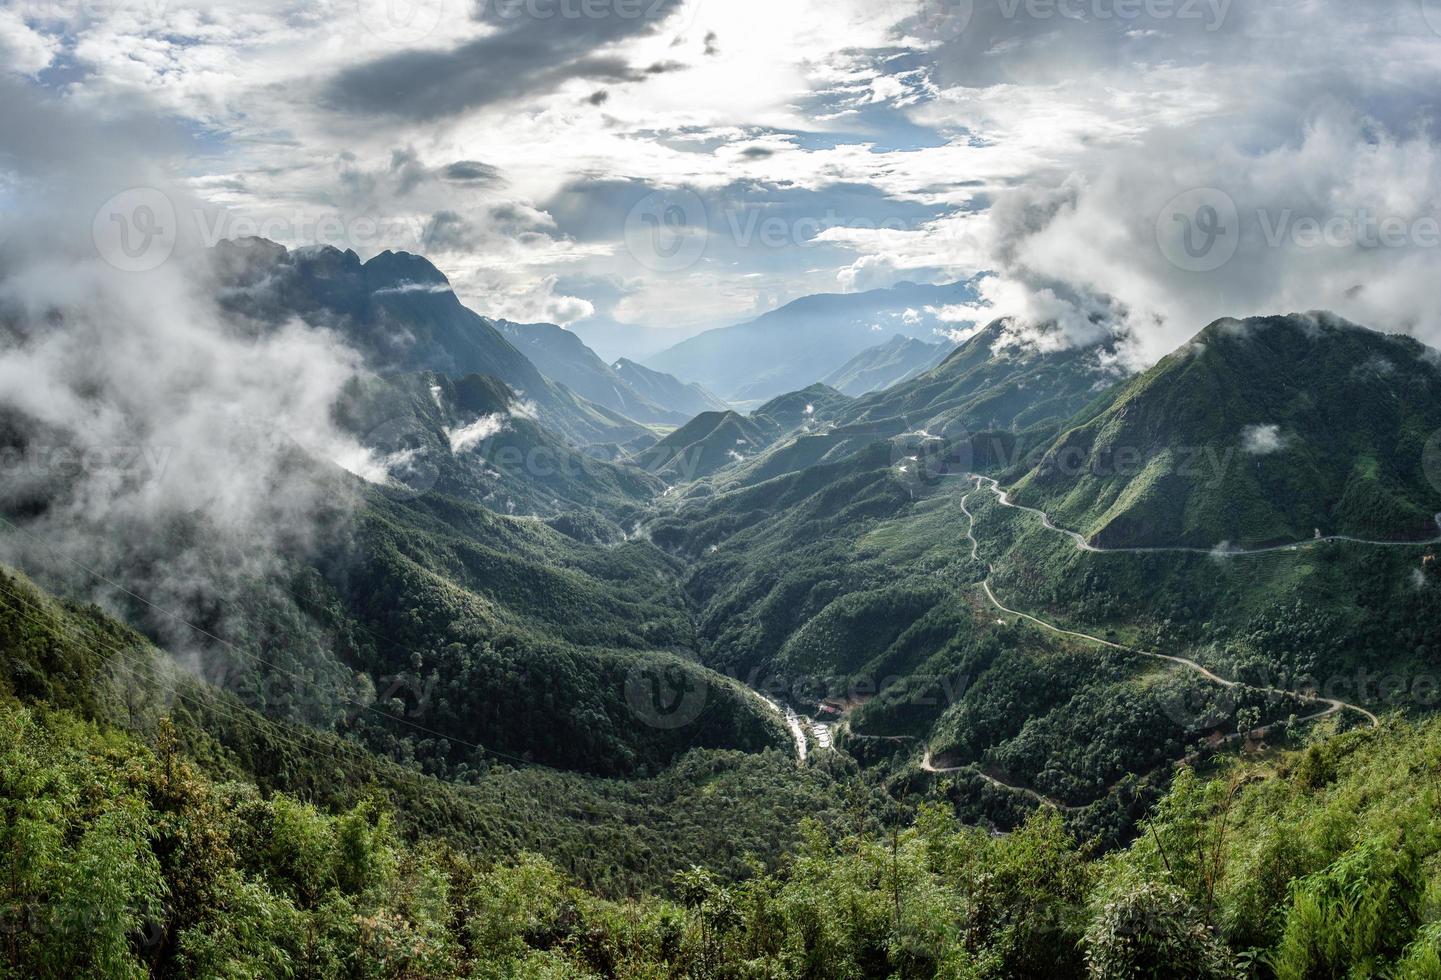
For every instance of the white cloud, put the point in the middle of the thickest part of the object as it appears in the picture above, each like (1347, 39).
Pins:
(1262, 440)
(24, 50)
(1041, 148)
(469, 436)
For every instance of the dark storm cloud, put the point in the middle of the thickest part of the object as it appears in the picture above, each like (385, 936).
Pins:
(448, 231)
(527, 56)
(471, 172)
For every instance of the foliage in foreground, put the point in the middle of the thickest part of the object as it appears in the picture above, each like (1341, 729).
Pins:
(120, 859)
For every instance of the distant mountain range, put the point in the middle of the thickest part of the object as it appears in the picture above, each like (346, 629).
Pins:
(664, 389)
(715, 440)
(807, 340)
(399, 311)
(988, 401)
(625, 387)
(878, 368)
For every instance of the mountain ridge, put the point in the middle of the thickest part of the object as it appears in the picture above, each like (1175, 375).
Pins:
(806, 339)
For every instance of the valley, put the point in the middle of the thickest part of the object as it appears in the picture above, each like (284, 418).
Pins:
(639, 648)
(684, 490)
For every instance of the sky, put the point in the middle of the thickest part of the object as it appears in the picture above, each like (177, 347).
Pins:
(1137, 167)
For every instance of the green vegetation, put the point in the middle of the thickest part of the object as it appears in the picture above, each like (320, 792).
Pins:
(1256, 432)
(708, 442)
(436, 743)
(885, 365)
(1360, 621)
(617, 836)
(121, 857)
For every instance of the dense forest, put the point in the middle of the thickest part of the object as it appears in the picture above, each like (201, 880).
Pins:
(120, 857)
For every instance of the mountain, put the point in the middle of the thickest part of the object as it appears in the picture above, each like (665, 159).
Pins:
(708, 442)
(715, 441)
(564, 357)
(806, 340)
(474, 439)
(992, 402)
(400, 313)
(186, 836)
(878, 368)
(71, 669)
(1256, 432)
(808, 408)
(993, 381)
(664, 389)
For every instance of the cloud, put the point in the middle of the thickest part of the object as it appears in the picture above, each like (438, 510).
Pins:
(151, 439)
(1023, 141)
(524, 56)
(471, 172)
(469, 436)
(1262, 440)
(24, 50)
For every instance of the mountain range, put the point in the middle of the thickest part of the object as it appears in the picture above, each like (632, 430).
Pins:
(625, 387)
(399, 312)
(551, 606)
(808, 339)
(886, 365)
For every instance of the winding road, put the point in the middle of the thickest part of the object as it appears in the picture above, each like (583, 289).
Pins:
(1331, 705)
(1220, 551)
(800, 726)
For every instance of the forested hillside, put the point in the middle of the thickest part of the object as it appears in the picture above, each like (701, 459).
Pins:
(128, 853)
(1257, 432)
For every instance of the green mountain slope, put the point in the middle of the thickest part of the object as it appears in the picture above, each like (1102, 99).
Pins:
(809, 408)
(148, 850)
(688, 399)
(702, 446)
(472, 438)
(1258, 431)
(987, 406)
(878, 368)
(988, 384)
(80, 683)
